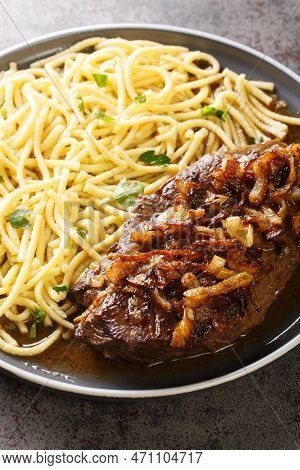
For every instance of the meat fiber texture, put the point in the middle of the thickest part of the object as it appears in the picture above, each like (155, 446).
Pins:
(200, 260)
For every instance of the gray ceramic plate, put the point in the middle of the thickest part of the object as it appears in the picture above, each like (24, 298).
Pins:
(280, 331)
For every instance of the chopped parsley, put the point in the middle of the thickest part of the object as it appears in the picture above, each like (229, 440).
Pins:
(38, 316)
(152, 159)
(1, 179)
(140, 99)
(101, 79)
(11, 326)
(17, 219)
(61, 288)
(103, 116)
(126, 194)
(211, 111)
(81, 232)
(81, 104)
(255, 140)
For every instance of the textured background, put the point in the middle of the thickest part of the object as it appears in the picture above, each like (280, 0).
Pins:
(261, 412)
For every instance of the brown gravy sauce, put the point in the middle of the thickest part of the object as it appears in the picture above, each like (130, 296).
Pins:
(73, 357)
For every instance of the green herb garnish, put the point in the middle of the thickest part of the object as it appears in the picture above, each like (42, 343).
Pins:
(103, 116)
(126, 194)
(100, 79)
(1, 178)
(81, 232)
(140, 99)
(38, 316)
(17, 219)
(61, 288)
(11, 326)
(255, 140)
(32, 331)
(152, 159)
(211, 111)
(81, 104)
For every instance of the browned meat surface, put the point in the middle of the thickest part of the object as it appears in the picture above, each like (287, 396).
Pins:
(200, 261)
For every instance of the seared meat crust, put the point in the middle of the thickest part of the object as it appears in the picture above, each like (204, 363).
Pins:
(200, 260)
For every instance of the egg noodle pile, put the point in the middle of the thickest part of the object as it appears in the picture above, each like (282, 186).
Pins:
(81, 134)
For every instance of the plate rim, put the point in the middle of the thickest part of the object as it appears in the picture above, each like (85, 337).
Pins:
(98, 392)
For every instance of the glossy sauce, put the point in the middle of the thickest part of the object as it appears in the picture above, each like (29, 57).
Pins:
(73, 357)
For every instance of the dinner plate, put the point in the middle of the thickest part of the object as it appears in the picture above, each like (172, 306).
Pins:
(278, 333)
